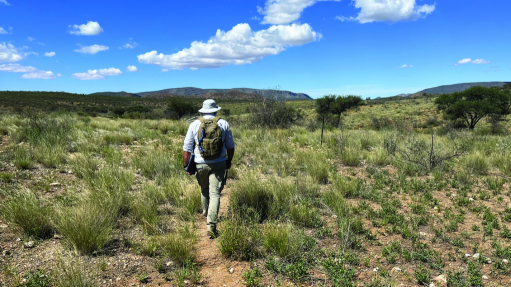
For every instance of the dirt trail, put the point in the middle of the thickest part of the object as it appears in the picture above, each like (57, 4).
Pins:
(214, 267)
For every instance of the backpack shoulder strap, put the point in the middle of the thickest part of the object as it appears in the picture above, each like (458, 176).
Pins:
(202, 119)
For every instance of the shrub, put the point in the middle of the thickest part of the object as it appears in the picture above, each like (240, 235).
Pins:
(179, 245)
(240, 241)
(304, 215)
(381, 123)
(70, 273)
(156, 163)
(477, 164)
(272, 114)
(181, 107)
(109, 188)
(25, 209)
(252, 277)
(250, 199)
(422, 275)
(286, 242)
(339, 274)
(86, 227)
(6, 177)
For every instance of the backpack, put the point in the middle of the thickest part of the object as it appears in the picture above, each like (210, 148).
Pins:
(210, 138)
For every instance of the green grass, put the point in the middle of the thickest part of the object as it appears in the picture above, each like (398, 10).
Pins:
(26, 210)
(87, 228)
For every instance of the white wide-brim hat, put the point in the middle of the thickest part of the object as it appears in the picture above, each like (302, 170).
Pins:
(209, 106)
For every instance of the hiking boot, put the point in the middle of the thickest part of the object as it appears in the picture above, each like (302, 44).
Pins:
(212, 234)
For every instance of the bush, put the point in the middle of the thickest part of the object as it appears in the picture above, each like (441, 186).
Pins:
(24, 209)
(286, 242)
(477, 164)
(272, 114)
(86, 227)
(304, 215)
(339, 274)
(381, 123)
(251, 200)
(180, 107)
(71, 274)
(180, 245)
(422, 275)
(240, 241)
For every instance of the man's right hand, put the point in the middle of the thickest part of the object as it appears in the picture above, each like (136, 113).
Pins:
(228, 164)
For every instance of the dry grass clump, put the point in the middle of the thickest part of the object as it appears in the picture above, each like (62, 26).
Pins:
(26, 210)
(71, 273)
(87, 227)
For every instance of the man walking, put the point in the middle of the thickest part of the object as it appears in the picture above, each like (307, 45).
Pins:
(211, 141)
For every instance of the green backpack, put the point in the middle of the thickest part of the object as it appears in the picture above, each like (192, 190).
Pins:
(210, 138)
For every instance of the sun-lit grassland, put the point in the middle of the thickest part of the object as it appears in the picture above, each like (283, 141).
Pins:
(369, 206)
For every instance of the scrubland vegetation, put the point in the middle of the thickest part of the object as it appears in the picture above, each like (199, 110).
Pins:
(396, 195)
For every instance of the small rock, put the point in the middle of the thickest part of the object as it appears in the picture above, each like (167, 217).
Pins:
(186, 282)
(18, 239)
(70, 172)
(334, 216)
(505, 261)
(170, 263)
(376, 269)
(3, 226)
(231, 270)
(435, 208)
(485, 277)
(476, 255)
(396, 269)
(488, 260)
(423, 234)
(118, 279)
(467, 255)
(440, 280)
(54, 184)
(56, 236)
(471, 199)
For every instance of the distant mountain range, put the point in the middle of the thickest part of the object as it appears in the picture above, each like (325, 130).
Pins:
(448, 89)
(237, 93)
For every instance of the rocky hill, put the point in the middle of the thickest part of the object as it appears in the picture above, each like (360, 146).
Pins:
(448, 89)
(218, 93)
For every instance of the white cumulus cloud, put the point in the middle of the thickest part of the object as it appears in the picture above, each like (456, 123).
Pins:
(4, 2)
(90, 29)
(132, 69)
(91, 49)
(480, 61)
(97, 74)
(40, 75)
(284, 11)
(468, 60)
(3, 31)
(30, 72)
(463, 61)
(16, 68)
(49, 54)
(238, 46)
(9, 53)
(130, 45)
(110, 72)
(30, 39)
(405, 66)
(388, 11)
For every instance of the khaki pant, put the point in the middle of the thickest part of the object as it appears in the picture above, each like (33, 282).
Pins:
(211, 180)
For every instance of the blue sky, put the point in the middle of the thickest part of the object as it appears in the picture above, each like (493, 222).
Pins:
(369, 48)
